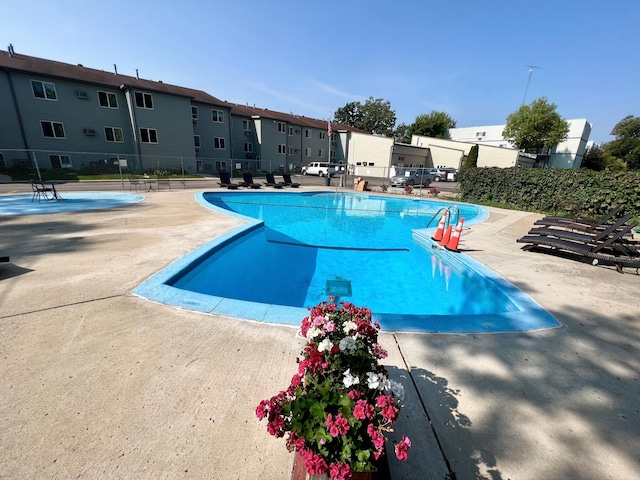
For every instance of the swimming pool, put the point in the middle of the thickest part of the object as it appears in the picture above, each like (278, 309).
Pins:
(374, 251)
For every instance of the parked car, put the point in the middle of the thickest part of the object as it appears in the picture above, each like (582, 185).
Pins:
(443, 174)
(319, 168)
(412, 177)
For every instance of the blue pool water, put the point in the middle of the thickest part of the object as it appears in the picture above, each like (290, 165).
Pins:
(298, 248)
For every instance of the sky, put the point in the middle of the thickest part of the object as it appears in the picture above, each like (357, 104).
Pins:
(478, 61)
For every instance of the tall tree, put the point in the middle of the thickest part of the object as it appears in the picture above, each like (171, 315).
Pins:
(536, 127)
(375, 116)
(434, 124)
(626, 146)
(471, 160)
(593, 158)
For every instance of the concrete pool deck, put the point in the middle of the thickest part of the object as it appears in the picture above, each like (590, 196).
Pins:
(98, 383)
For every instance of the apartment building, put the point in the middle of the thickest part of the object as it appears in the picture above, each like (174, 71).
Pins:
(58, 115)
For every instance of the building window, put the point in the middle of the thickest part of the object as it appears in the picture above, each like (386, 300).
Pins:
(332, 154)
(148, 135)
(60, 161)
(290, 150)
(480, 134)
(246, 125)
(218, 143)
(44, 90)
(194, 113)
(307, 152)
(196, 140)
(52, 129)
(282, 148)
(282, 127)
(290, 131)
(307, 133)
(107, 99)
(113, 134)
(217, 116)
(321, 153)
(248, 147)
(144, 100)
(323, 135)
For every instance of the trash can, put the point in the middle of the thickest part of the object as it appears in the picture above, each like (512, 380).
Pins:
(327, 180)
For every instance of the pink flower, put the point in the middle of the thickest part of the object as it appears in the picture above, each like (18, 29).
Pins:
(339, 471)
(339, 426)
(313, 462)
(330, 326)
(376, 437)
(402, 448)
(363, 410)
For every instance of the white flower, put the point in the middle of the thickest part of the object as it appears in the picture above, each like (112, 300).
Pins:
(325, 345)
(397, 389)
(348, 326)
(314, 332)
(349, 379)
(374, 379)
(348, 343)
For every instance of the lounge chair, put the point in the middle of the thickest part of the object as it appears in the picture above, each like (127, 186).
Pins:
(287, 181)
(577, 223)
(248, 181)
(4, 259)
(607, 245)
(40, 191)
(271, 181)
(225, 181)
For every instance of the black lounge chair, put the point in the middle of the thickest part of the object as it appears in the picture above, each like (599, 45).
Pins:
(248, 181)
(271, 181)
(287, 181)
(577, 223)
(607, 245)
(4, 259)
(225, 181)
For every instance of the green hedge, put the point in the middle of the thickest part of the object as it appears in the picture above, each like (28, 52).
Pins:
(553, 190)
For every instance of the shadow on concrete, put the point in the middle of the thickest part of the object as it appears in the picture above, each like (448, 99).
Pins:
(548, 403)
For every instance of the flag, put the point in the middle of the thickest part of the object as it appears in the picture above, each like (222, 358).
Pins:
(329, 132)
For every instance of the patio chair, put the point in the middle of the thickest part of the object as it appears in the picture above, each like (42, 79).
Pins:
(4, 259)
(248, 181)
(225, 181)
(577, 223)
(287, 181)
(40, 191)
(607, 245)
(163, 182)
(271, 181)
(136, 183)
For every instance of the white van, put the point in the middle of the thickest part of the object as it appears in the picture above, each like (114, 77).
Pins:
(319, 168)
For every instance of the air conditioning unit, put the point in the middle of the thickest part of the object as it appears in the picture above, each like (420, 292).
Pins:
(89, 131)
(82, 95)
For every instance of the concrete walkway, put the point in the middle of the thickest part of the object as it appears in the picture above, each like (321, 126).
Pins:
(98, 383)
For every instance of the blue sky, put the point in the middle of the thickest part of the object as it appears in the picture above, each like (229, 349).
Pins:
(468, 58)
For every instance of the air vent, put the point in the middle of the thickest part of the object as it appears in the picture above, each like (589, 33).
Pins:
(82, 95)
(89, 131)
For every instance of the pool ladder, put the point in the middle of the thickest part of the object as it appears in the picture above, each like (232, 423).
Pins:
(453, 212)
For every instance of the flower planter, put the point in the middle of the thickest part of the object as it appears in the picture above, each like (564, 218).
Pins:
(300, 473)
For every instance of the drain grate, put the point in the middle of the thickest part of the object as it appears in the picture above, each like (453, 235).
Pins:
(339, 288)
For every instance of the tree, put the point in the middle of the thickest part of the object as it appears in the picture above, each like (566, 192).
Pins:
(593, 158)
(434, 124)
(375, 116)
(626, 146)
(471, 161)
(536, 127)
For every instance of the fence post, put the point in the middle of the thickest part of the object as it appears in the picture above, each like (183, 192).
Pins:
(35, 160)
